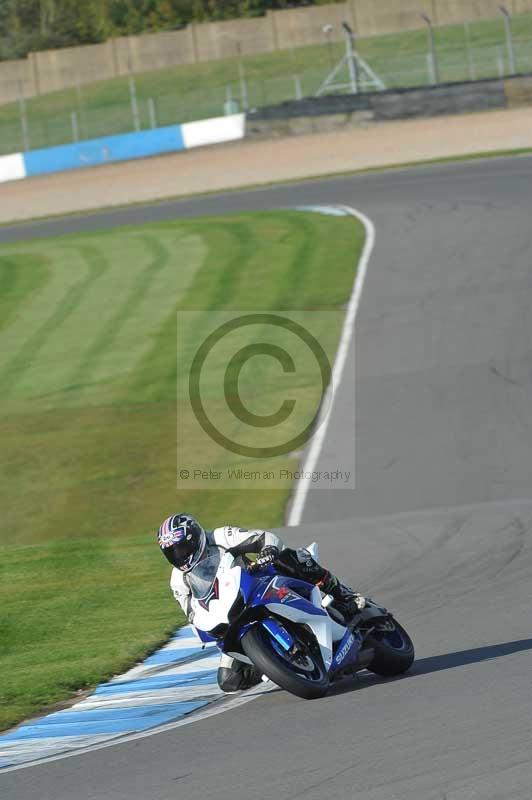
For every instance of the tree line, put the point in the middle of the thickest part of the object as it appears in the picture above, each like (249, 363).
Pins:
(28, 25)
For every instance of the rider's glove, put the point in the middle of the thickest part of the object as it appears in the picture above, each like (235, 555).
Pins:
(267, 556)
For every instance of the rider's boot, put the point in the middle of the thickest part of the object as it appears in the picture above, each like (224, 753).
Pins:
(235, 676)
(348, 602)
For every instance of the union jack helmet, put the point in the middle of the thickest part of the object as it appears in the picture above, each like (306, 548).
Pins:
(182, 540)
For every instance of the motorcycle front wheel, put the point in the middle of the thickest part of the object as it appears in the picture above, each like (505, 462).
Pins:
(302, 673)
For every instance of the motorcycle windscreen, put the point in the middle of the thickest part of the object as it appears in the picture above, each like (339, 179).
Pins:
(202, 577)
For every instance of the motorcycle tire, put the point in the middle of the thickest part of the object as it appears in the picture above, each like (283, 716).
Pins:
(394, 651)
(259, 648)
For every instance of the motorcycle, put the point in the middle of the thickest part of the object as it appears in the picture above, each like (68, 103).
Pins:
(288, 631)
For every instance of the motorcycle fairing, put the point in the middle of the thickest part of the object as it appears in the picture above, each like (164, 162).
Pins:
(275, 593)
(250, 585)
(288, 591)
(209, 615)
(347, 650)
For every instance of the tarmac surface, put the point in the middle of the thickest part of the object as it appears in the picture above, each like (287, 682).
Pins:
(438, 528)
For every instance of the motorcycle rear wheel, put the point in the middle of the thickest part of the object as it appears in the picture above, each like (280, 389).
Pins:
(394, 651)
(307, 678)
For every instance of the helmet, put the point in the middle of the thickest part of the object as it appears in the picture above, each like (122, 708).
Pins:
(183, 541)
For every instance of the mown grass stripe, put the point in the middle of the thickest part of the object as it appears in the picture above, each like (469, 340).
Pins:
(21, 275)
(301, 257)
(68, 338)
(31, 356)
(128, 334)
(44, 313)
(123, 306)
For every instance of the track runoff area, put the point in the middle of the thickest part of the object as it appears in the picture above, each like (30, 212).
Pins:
(181, 677)
(437, 528)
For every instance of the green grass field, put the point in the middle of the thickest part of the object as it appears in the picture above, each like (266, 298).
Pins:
(88, 379)
(197, 91)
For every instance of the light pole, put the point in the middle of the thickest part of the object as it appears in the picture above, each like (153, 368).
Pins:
(432, 49)
(509, 41)
(327, 30)
(352, 64)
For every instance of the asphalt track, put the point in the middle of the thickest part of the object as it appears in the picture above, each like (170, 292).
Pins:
(439, 527)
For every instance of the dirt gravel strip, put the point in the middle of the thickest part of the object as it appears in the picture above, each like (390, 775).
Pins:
(255, 162)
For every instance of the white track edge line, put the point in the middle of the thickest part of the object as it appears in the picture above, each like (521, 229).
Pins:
(303, 486)
(295, 511)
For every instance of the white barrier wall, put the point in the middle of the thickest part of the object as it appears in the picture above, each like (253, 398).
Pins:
(214, 131)
(12, 168)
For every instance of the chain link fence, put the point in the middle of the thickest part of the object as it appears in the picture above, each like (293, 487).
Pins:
(186, 94)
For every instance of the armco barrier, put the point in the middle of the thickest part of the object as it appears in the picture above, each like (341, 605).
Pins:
(122, 148)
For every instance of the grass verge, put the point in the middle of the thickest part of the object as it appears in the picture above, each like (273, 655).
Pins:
(88, 426)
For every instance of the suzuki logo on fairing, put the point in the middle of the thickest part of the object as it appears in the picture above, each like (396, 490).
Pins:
(345, 649)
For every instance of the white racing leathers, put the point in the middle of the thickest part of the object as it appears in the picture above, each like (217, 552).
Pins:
(238, 541)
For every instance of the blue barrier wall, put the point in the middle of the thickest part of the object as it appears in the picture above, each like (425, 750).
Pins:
(100, 151)
(124, 147)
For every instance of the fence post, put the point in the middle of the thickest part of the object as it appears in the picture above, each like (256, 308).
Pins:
(82, 108)
(299, 90)
(134, 103)
(75, 126)
(430, 69)
(151, 112)
(23, 118)
(244, 99)
(470, 59)
(434, 68)
(500, 62)
(509, 40)
(230, 106)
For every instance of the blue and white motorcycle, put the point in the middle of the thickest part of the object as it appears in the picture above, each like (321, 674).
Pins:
(288, 630)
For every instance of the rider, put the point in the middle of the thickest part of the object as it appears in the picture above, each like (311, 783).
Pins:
(185, 543)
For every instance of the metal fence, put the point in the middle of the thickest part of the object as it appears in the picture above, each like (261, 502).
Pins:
(143, 102)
